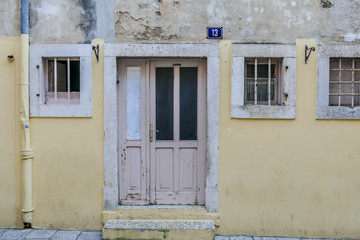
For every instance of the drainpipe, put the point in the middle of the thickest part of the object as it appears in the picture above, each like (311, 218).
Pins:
(26, 151)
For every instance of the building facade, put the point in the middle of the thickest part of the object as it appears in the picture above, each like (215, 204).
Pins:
(134, 113)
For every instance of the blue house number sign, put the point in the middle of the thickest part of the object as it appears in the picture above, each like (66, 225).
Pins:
(214, 33)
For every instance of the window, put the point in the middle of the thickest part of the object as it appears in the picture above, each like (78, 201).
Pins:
(338, 82)
(344, 82)
(60, 80)
(263, 81)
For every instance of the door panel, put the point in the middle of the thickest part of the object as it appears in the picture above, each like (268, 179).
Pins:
(187, 169)
(162, 131)
(164, 169)
(185, 92)
(133, 132)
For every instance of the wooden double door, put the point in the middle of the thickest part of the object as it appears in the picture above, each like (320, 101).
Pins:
(162, 131)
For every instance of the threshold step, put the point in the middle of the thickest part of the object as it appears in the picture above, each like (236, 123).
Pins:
(159, 229)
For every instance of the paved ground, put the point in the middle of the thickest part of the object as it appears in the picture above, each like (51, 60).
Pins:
(38, 234)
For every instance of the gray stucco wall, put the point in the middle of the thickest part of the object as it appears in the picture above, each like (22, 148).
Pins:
(127, 21)
(9, 18)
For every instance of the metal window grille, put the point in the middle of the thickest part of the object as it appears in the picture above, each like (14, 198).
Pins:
(344, 84)
(262, 81)
(62, 80)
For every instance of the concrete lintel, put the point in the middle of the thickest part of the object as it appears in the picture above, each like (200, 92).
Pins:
(338, 50)
(264, 50)
(162, 50)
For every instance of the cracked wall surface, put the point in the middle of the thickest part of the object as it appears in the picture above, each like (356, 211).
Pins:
(129, 21)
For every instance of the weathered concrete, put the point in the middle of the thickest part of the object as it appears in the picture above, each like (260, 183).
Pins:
(65, 21)
(10, 18)
(129, 21)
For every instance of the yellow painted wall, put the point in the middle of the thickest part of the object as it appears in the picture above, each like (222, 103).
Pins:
(68, 165)
(288, 177)
(10, 162)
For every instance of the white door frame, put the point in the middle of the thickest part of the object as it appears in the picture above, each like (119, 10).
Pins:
(112, 51)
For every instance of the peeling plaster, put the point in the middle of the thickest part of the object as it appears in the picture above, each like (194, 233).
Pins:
(171, 21)
(352, 37)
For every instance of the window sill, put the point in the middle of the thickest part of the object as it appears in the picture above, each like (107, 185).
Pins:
(263, 112)
(337, 112)
(60, 110)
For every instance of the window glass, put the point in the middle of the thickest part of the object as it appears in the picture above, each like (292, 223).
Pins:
(133, 103)
(188, 103)
(75, 76)
(58, 89)
(344, 82)
(164, 103)
(62, 76)
(258, 86)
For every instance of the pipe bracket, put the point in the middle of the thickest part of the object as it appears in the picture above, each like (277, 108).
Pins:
(27, 211)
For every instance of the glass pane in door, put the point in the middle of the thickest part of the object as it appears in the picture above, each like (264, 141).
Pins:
(164, 103)
(188, 103)
(133, 103)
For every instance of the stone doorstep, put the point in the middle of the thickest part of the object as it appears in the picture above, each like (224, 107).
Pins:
(160, 213)
(159, 229)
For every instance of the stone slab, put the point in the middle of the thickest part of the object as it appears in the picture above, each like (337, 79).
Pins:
(115, 234)
(41, 233)
(229, 237)
(66, 235)
(2, 231)
(91, 235)
(15, 234)
(160, 224)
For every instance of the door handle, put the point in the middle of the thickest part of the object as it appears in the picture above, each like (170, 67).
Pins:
(151, 132)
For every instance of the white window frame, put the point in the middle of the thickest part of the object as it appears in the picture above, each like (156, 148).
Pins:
(38, 54)
(323, 110)
(287, 54)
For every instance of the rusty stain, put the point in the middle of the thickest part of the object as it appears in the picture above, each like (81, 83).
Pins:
(286, 95)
